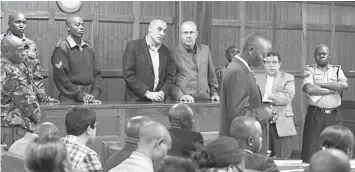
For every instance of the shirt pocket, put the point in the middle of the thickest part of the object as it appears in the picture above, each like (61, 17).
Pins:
(333, 78)
(318, 77)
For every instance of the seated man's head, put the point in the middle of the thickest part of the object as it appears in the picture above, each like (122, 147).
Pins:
(81, 122)
(181, 116)
(46, 153)
(154, 141)
(339, 137)
(225, 151)
(132, 130)
(46, 128)
(329, 160)
(231, 52)
(177, 164)
(13, 49)
(247, 131)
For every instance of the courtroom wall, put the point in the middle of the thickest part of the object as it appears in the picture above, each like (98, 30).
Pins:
(294, 28)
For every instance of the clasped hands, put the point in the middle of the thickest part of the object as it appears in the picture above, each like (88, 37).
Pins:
(275, 114)
(188, 98)
(88, 98)
(155, 96)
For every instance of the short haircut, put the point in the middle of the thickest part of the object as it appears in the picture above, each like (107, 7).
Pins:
(337, 136)
(177, 164)
(179, 111)
(274, 54)
(46, 154)
(78, 119)
(231, 49)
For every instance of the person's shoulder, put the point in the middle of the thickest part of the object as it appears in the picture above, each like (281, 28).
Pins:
(287, 75)
(88, 44)
(203, 46)
(62, 44)
(335, 66)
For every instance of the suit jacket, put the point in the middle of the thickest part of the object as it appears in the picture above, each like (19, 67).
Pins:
(138, 70)
(194, 78)
(283, 89)
(259, 162)
(240, 96)
(183, 142)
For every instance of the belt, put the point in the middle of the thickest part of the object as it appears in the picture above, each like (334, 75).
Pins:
(326, 111)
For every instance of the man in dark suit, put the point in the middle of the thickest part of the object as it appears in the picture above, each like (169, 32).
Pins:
(132, 137)
(147, 66)
(184, 140)
(247, 131)
(240, 95)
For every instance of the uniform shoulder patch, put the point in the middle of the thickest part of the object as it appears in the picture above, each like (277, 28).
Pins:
(58, 65)
(306, 75)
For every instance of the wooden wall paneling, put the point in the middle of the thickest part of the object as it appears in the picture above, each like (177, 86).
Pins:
(136, 13)
(242, 14)
(203, 22)
(258, 11)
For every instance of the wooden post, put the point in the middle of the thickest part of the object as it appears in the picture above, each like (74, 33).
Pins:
(335, 58)
(242, 23)
(274, 15)
(136, 13)
(53, 40)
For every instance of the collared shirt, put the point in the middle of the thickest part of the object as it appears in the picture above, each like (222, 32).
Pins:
(19, 106)
(154, 55)
(244, 62)
(19, 146)
(268, 87)
(314, 74)
(248, 151)
(136, 162)
(73, 44)
(81, 157)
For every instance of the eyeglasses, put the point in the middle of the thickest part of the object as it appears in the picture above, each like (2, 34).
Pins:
(274, 62)
(187, 32)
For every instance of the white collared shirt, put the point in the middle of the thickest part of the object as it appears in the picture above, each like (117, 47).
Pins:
(136, 162)
(19, 147)
(268, 86)
(244, 62)
(72, 43)
(154, 55)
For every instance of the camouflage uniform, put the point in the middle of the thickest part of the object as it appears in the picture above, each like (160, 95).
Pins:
(32, 66)
(19, 106)
(219, 74)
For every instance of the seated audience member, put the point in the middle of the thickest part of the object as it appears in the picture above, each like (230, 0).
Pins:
(184, 140)
(223, 155)
(148, 69)
(329, 160)
(230, 53)
(80, 123)
(154, 143)
(19, 147)
(247, 131)
(76, 71)
(338, 137)
(11, 162)
(131, 143)
(47, 154)
(177, 164)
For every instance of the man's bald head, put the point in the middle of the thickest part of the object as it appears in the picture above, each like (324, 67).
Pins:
(320, 46)
(75, 26)
(47, 128)
(188, 34)
(248, 131)
(17, 23)
(157, 31)
(134, 124)
(154, 140)
(181, 115)
(329, 160)
(12, 48)
(255, 49)
(188, 24)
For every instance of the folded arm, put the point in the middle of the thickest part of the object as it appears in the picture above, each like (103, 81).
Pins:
(285, 96)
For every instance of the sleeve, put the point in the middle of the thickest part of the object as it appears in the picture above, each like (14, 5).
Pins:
(238, 100)
(38, 80)
(92, 163)
(170, 76)
(60, 66)
(307, 76)
(129, 72)
(23, 97)
(285, 96)
(212, 79)
(341, 75)
(96, 90)
(270, 166)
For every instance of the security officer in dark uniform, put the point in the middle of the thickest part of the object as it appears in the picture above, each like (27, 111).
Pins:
(323, 83)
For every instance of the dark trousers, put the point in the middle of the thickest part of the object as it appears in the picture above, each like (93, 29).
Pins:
(281, 147)
(265, 136)
(315, 122)
(10, 134)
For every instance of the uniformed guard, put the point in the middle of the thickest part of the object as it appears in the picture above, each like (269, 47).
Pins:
(323, 83)
(20, 111)
(32, 66)
(76, 71)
